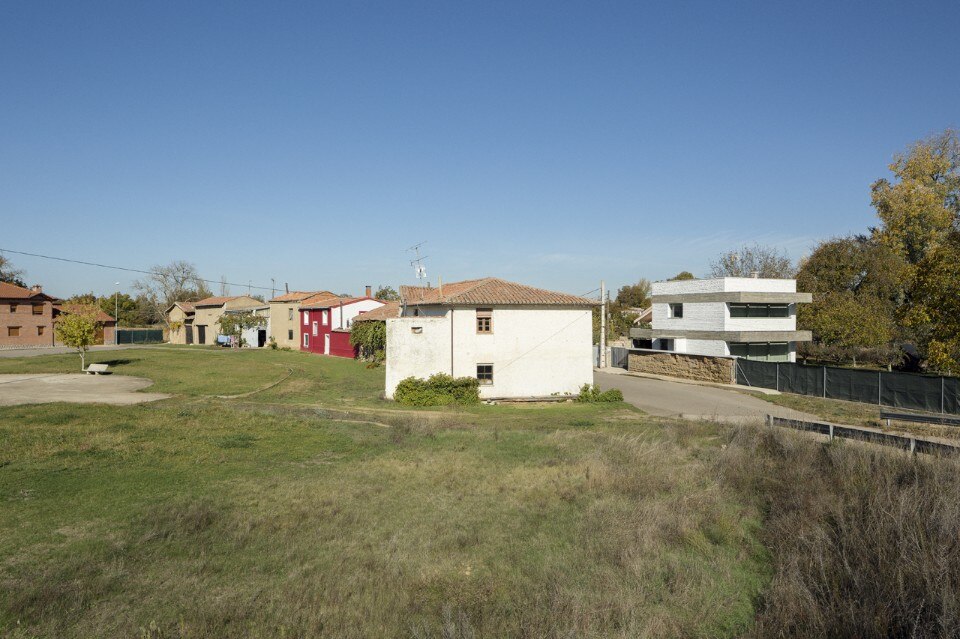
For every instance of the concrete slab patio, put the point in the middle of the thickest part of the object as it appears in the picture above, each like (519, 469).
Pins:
(82, 389)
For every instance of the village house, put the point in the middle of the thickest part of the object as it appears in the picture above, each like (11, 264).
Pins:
(255, 336)
(207, 314)
(26, 316)
(749, 317)
(180, 319)
(519, 341)
(325, 322)
(285, 316)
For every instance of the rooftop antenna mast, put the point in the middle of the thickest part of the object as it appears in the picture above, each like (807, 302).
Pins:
(417, 263)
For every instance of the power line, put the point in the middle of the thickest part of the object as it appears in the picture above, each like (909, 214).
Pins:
(124, 268)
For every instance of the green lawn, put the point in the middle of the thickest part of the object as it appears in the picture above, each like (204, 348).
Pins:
(313, 508)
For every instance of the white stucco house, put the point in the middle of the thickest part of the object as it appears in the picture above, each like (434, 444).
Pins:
(255, 336)
(519, 341)
(754, 318)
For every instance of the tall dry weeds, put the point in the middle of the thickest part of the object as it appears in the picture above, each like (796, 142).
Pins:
(865, 542)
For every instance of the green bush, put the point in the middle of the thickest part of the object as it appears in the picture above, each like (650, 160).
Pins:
(590, 394)
(438, 390)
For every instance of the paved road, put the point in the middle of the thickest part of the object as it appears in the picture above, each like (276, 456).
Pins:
(83, 389)
(672, 399)
(59, 350)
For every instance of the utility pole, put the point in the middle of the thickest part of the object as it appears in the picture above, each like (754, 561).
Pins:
(603, 325)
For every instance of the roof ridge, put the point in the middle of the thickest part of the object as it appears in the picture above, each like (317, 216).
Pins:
(477, 283)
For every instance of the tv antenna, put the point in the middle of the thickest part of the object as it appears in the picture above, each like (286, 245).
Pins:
(418, 268)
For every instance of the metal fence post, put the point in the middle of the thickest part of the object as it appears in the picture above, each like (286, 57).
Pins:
(831, 432)
(942, 393)
(879, 388)
(824, 382)
(778, 377)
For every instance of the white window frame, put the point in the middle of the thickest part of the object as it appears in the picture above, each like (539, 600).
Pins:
(306, 340)
(325, 317)
(290, 313)
(315, 333)
(306, 318)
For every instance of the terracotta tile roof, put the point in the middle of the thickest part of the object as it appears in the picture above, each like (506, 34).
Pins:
(13, 292)
(298, 296)
(327, 300)
(385, 312)
(214, 301)
(99, 314)
(492, 291)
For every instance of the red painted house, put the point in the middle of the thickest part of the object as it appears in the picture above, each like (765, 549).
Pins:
(325, 322)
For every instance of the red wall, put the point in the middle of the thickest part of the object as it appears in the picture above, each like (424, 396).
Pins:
(339, 340)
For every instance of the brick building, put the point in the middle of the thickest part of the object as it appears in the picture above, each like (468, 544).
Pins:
(26, 316)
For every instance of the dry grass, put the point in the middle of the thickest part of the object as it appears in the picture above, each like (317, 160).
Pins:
(210, 518)
(865, 541)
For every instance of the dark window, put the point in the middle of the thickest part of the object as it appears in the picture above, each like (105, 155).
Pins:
(13, 308)
(40, 330)
(761, 351)
(13, 331)
(485, 373)
(38, 309)
(676, 310)
(290, 334)
(484, 320)
(759, 310)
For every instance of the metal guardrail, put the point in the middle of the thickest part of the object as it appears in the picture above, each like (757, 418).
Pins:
(943, 420)
(903, 442)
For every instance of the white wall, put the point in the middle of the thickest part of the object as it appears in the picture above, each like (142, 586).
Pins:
(535, 351)
(350, 311)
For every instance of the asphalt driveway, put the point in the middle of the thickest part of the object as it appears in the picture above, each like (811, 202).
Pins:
(82, 389)
(692, 401)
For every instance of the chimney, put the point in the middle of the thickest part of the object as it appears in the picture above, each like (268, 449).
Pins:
(36, 288)
(755, 274)
(369, 290)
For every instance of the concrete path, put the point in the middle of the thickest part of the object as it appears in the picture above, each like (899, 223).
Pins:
(692, 401)
(60, 350)
(83, 389)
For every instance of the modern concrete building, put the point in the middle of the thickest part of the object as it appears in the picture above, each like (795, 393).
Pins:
(519, 341)
(745, 317)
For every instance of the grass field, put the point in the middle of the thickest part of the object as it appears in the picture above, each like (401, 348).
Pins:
(313, 508)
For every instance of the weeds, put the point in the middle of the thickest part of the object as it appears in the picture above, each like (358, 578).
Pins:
(865, 541)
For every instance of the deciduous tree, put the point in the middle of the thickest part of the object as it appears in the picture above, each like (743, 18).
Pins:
(387, 294)
(176, 282)
(78, 330)
(234, 324)
(635, 295)
(9, 274)
(766, 261)
(683, 275)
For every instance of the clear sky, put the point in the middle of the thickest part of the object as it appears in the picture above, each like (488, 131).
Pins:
(550, 143)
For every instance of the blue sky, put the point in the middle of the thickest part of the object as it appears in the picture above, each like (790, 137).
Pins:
(554, 144)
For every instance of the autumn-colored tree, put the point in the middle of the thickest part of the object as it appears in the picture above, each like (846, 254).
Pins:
(934, 311)
(765, 261)
(78, 330)
(918, 209)
(635, 295)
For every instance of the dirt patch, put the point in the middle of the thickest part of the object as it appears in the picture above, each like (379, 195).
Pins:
(80, 389)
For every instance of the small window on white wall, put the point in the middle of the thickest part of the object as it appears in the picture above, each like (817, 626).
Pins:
(676, 310)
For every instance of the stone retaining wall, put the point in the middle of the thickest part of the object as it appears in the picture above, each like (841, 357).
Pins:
(700, 367)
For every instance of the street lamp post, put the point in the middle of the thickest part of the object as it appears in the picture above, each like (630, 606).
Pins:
(116, 314)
